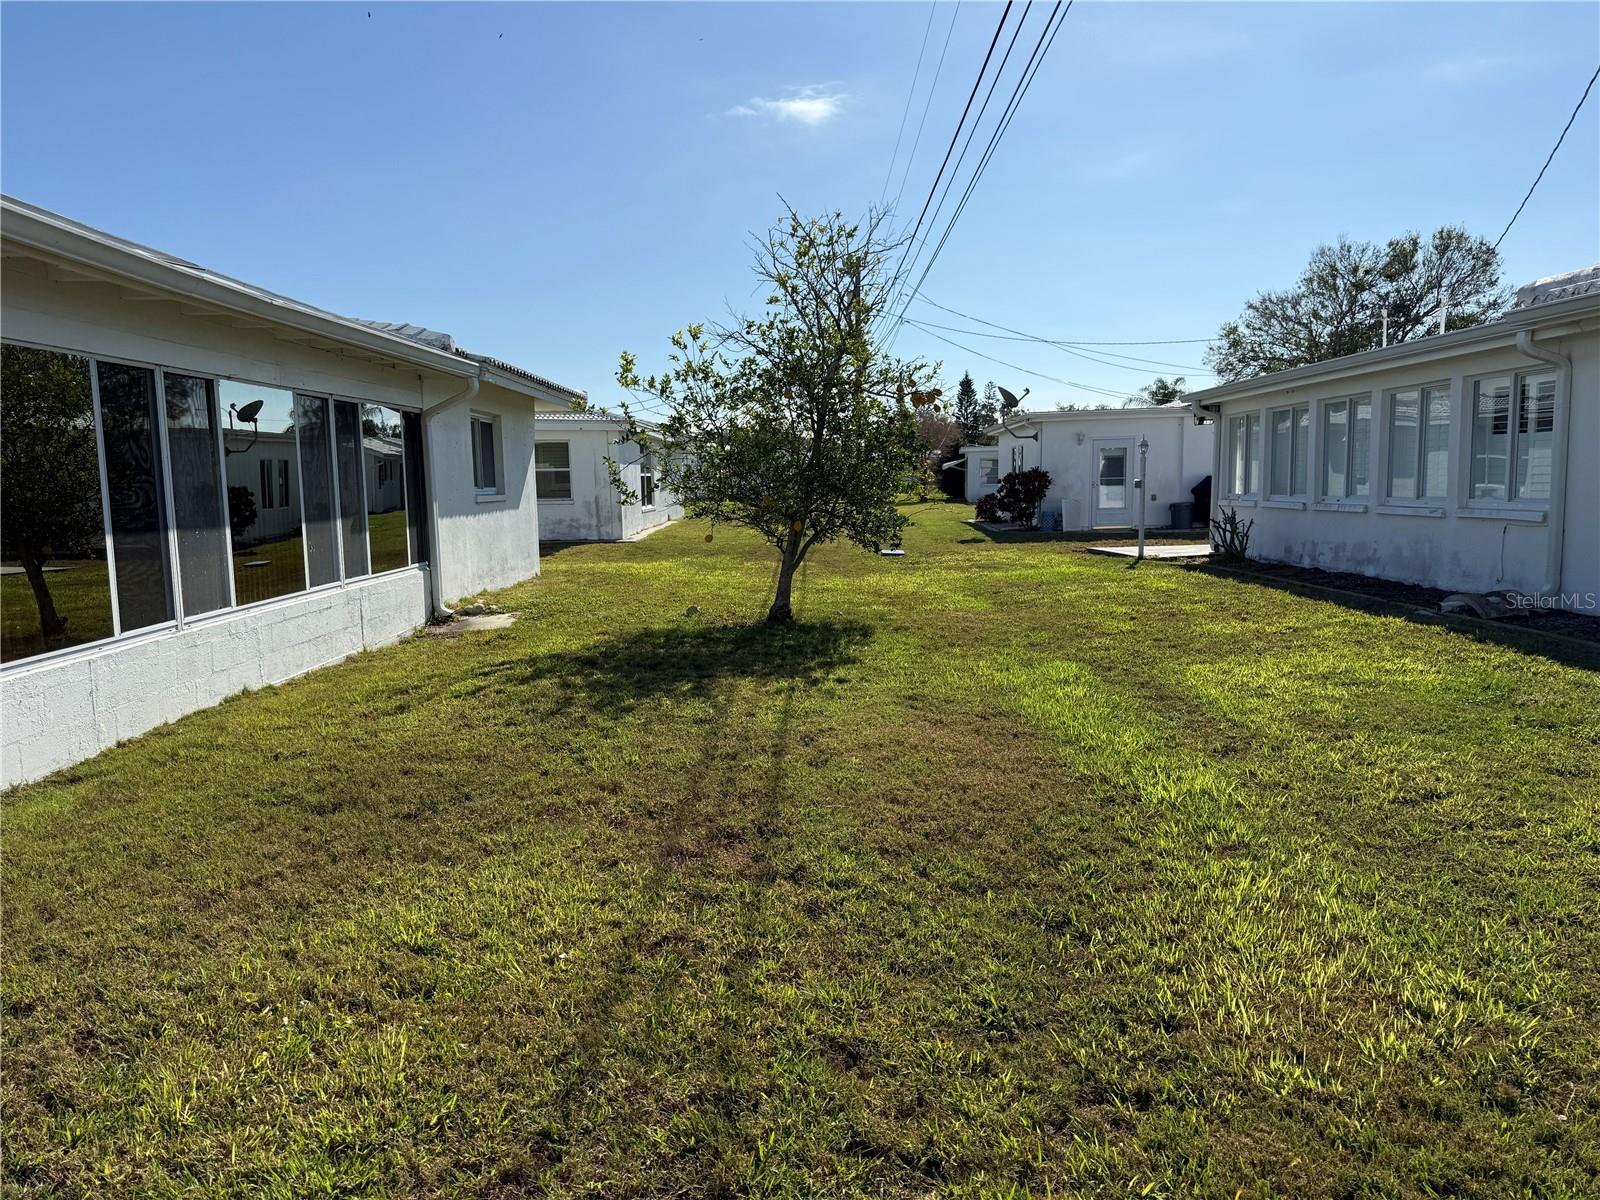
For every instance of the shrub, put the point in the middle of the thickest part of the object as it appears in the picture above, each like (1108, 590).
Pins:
(988, 508)
(1231, 537)
(1021, 493)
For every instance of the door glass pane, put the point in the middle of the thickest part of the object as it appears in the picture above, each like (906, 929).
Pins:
(1435, 442)
(1335, 448)
(1282, 434)
(1360, 445)
(316, 490)
(133, 479)
(1302, 447)
(263, 490)
(1536, 425)
(352, 503)
(199, 510)
(1405, 415)
(54, 587)
(1113, 483)
(383, 451)
(1491, 437)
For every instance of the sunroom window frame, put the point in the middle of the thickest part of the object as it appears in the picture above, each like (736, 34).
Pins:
(1558, 433)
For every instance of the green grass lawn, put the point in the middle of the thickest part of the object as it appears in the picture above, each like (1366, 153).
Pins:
(1012, 872)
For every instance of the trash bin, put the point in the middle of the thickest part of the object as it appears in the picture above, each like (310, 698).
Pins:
(1182, 514)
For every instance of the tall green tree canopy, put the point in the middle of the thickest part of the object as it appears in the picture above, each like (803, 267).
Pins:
(1338, 307)
(974, 415)
(796, 424)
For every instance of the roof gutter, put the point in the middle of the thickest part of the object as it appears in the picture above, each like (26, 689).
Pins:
(436, 606)
(1559, 461)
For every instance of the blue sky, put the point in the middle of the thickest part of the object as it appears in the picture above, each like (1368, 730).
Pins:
(555, 183)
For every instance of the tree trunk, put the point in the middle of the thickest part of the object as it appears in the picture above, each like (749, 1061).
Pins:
(782, 610)
(50, 623)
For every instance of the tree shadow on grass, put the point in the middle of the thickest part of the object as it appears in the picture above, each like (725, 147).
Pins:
(688, 662)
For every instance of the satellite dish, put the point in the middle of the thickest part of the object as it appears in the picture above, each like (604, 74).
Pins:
(1008, 402)
(249, 412)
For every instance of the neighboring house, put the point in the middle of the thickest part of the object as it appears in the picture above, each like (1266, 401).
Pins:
(235, 487)
(1092, 457)
(577, 500)
(1469, 460)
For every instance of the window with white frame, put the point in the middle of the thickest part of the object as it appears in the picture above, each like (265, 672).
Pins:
(486, 454)
(1513, 436)
(552, 470)
(647, 478)
(1291, 442)
(138, 496)
(1419, 442)
(988, 470)
(1346, 446)
(1244, 453)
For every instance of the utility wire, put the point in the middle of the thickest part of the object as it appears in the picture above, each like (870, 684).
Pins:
(1085, 387)
(1103, 357)
(1028, 337)
(949, 150)
(1025, 81)
(1548, 161)
(926, 105)
(972, 130)
(910, 95)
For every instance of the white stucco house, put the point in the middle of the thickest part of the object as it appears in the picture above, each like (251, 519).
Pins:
(577, 499)
(211, 487)
(1468, 461)
(1092, 456)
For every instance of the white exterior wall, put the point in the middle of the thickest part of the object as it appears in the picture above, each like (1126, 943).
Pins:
(63, 708)
(1451, 543)
(487, 541)
(595, 512)
(1179, 457)
(976, 488)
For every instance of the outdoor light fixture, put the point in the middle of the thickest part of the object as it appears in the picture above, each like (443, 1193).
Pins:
(247, 414)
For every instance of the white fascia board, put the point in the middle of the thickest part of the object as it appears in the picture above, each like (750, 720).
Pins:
(119, 264)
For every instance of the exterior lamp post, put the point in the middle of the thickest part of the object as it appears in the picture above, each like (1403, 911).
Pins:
(1138, 486)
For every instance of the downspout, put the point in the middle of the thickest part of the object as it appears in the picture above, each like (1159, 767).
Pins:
(436, 609)
(1558, 459)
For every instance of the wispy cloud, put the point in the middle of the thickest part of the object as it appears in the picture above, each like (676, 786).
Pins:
(815, 104)
(1137, 163)
(1468, 68)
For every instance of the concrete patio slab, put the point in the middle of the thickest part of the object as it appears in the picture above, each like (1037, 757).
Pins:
(1181, 550)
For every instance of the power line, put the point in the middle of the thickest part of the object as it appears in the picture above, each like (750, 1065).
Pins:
(926, 105)
(1549, 160)
(1066, 348)
(1084, 387)
(1029, 72)
(972, 130)
(910, 95)
(1029, 337)
(976, 84)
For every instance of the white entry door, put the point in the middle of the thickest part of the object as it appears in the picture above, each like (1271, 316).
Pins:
(1112, 497)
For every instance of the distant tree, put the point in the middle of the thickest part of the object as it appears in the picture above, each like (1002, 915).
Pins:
(1160, 390)
(973, 415)
(989, 408)
(798, 424)
(49, 469)
(1338, 305)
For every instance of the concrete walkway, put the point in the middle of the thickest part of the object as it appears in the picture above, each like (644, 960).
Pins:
(1183, 550)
